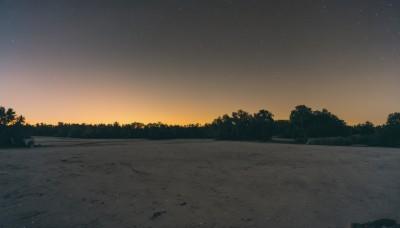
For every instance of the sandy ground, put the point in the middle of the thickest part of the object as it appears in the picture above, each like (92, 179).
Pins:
(195, 183)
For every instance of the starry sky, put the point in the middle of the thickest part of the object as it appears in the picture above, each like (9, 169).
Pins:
(189, 61)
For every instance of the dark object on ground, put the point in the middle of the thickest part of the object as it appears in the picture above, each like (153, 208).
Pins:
(158, 214)
(380, 223)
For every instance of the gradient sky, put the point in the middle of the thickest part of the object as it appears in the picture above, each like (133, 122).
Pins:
(186, 61)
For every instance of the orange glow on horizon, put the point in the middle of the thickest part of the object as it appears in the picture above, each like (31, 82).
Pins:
(97, 98)
(170, 121)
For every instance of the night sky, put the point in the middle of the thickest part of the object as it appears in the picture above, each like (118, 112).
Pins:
(186, 61)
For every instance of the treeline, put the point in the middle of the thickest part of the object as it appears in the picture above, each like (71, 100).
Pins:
(125, 131)
(304, 125)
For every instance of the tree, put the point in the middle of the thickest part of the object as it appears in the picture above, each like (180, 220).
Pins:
(262, 125)
(12, 128)
(241, 122)
(222, 127)
(366, 128)
(390, 132)
(300, 118)
(283, 128)
(326, 124)
(308, 123)
(393, 119)
(20, 120)
(6, 117)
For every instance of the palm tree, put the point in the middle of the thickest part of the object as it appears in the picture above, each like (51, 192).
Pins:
(6, 117)
(20, 120)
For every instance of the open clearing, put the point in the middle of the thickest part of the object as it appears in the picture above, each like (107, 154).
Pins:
(195, 183)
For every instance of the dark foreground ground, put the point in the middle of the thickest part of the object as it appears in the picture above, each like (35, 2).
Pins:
(195, 183)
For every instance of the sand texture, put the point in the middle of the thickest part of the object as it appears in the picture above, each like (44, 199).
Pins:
(195, 183)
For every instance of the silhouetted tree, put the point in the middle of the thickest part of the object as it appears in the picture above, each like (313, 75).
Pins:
(393, 119)
(241, 124)
(366, 128)
(6, 116)
(223, 128)
(262, 125)
(390, 133)
(20, 120)
(301, 118)
(325, 124)
(12, 128)
(283, 128)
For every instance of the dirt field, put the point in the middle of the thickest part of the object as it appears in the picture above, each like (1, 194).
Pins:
(196, 183)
